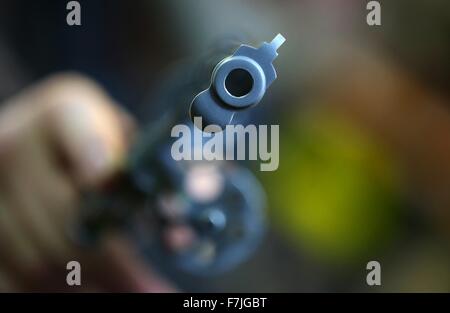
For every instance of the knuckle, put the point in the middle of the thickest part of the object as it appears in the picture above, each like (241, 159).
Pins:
(62, 87)
(69, 80)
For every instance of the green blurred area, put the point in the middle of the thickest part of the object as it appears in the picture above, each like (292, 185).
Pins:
(336, 194)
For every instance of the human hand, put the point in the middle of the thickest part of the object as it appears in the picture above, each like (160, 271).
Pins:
(60, 136)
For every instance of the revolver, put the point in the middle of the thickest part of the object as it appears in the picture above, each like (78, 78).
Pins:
(220, 202)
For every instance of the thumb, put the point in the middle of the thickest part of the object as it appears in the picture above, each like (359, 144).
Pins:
(89, 129)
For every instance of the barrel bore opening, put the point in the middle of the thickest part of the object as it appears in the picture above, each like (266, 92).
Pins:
(239, 83)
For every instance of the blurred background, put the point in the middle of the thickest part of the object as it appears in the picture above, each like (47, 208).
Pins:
(364, 115)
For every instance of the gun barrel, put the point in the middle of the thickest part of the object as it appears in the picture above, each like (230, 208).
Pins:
(238, 82)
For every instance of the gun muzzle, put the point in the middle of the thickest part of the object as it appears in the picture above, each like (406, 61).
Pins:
(238, 82)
